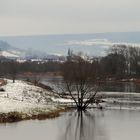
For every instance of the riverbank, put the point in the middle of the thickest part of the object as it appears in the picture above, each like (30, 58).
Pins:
(22, 101)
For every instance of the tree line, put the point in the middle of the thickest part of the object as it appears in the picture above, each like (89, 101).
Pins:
(11, 68)
(121, 61)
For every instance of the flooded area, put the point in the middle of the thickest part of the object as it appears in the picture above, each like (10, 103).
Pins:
(120, 87)
(108, 86)
(118, 121)
(91, 125)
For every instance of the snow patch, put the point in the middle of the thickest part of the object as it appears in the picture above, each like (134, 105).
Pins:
(25, 97)
(8, 54)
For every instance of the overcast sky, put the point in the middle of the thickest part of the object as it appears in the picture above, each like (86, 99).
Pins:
(30, 17)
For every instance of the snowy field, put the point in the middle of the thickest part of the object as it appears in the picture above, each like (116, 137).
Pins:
(26, 98)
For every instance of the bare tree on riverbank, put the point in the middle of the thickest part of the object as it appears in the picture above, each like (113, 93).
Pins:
(80, 82)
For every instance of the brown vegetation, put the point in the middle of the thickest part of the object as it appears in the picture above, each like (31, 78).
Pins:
(17, 116)
(3, 82)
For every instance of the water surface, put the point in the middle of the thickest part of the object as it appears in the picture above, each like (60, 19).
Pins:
(91, 125)
(108, 86)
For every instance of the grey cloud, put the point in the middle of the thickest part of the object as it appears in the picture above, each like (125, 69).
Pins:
(67, 16)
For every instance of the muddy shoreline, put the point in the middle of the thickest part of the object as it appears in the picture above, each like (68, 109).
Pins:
(12, 117)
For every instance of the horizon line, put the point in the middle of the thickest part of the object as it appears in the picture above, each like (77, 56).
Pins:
(29, 35)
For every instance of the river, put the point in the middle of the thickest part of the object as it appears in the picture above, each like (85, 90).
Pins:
(108, 86)
(91, 125)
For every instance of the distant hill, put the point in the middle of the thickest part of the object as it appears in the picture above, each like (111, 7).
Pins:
(5, 46)
(93, 44)
(6, 50)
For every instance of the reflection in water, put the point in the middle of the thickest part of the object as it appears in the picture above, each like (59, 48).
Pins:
(120, 87)
(105, 86)
(92, 125)
(83, 126)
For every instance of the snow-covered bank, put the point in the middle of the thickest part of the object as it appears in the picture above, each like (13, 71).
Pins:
(22, 100)
(26, 99)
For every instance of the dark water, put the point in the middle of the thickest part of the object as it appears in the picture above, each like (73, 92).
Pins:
(121, 87)
(106, 86)
(91, 125)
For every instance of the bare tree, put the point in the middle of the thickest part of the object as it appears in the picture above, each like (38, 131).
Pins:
(80, 82)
